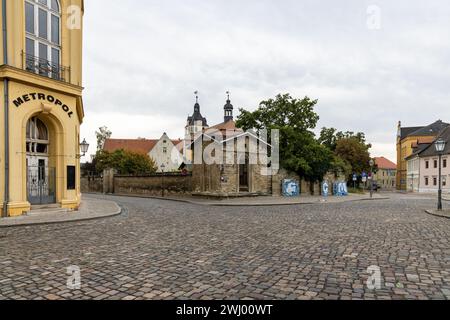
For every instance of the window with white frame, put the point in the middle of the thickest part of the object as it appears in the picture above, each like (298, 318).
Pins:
(43, 37)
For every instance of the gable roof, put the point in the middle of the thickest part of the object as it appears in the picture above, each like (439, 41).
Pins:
(133, 145)
(430, 130)
(404, 132)
(384, 163)
(229, 125)
(418, 149)
(431, 150)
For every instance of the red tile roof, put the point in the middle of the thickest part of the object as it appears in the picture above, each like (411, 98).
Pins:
(384, 163)
(134, 145)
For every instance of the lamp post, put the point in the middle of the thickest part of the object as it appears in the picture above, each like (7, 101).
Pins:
(371, 163)
(440, 146)
(84, 147)
(162, 179)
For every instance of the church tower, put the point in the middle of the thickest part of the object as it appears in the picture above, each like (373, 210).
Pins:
(196, 123)
(228, 109)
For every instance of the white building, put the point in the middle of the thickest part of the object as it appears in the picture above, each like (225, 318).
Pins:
(163, 151)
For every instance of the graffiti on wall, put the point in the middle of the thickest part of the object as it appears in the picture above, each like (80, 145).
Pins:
(291, 188)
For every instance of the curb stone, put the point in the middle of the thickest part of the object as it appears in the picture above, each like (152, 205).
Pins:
(434, 213)
(70, 219)
(244, 204)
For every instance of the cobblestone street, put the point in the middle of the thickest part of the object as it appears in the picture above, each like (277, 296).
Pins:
(168, 250)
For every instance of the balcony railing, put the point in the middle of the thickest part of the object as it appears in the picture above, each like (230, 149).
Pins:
(46, 68)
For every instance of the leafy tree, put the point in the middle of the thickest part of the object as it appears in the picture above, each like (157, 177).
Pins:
(102, 135)
(125, 162)
(354, 152)
(330, 136)
(340, 166)
(295, 118)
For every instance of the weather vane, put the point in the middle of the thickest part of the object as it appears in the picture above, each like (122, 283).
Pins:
(196, 96)
(228, 94)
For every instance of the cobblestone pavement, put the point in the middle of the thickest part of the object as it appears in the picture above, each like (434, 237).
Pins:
(168, 250)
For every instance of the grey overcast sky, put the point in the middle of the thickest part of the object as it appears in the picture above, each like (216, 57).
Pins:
(369, 63)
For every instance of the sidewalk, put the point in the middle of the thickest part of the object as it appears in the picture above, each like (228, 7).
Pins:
(263, 200)
(90, 209)
(442, 214)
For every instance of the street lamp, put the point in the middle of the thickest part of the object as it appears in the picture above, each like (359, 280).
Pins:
(84, 147)
(162, 179)
(371, 163)
(440, 146)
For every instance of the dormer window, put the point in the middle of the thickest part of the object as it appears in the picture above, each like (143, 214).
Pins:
(43, 38)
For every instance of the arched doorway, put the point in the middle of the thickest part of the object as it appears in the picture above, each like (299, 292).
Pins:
(41, 186)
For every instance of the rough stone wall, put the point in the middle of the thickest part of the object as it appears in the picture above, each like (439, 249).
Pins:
(259, 182)
(153, 185)
(277, 181)
(230, 184)
(91, 184)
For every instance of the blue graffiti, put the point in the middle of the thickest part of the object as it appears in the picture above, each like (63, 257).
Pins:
(325, 189)
(340, 189)
(291, 188)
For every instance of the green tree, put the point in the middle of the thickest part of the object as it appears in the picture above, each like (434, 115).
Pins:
(125, 162)
(300, 152)
(102, 135)
(354, 152)
(330, 136)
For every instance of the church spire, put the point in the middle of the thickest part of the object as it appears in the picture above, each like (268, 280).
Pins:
(228, 109)
(197, 105)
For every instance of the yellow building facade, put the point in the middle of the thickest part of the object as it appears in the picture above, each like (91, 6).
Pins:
(42, 106)
(407, 139)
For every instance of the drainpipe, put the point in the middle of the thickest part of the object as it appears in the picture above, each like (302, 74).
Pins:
(6, 103)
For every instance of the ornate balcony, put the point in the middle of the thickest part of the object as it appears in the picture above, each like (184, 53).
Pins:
(46, 68)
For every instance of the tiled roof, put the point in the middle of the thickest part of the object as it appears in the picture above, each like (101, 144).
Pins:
(407, 131)
(384, 163)
(431, 150)
(134, 145)
(430, 130)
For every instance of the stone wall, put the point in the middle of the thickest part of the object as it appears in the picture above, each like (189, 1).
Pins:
(305, 186)
(91, 184)
(173, 184)
(260, 180)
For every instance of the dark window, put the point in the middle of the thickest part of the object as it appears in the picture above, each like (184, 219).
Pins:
(29, 17)
(71, 178)
(427, 164)
(427, 182)
(41, 170)
(435, 164)
(55, 29)
(434, 181)
(43, 28)
(444, 163)
(30, 47)
(55, 5)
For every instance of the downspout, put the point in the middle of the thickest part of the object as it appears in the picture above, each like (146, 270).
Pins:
(6, 103)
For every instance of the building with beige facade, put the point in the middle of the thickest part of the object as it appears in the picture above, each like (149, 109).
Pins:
(407, 139)
(42, 105)
(386, 173)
